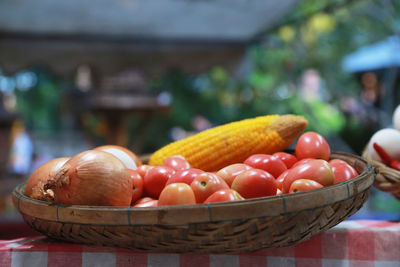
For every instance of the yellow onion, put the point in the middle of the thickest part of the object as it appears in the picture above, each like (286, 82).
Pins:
(92, 178)
(37, 180)
(130, 159)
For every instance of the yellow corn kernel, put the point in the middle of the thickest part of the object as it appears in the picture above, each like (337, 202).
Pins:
(230, 143)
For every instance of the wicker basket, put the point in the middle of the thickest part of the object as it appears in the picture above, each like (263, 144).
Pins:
(387, 179)
(231, 227)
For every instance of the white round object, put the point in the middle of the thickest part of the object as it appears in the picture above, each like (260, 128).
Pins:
(122, 156)
(396, 118)
(389, 140)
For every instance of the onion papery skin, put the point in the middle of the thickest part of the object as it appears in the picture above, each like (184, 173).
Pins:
(93, 178)
(118, 150)
(34, 187)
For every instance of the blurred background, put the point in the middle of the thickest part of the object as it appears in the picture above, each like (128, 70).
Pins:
(78, 74)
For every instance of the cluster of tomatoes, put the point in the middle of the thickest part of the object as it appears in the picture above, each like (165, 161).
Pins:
(176, 183)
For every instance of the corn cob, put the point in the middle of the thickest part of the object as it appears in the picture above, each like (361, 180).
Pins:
(230, 143)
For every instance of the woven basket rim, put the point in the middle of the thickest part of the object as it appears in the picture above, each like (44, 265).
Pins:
(203, 213)
(387, 178)
(380, 165)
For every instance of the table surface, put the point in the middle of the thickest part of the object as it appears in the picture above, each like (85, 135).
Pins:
(351, 243)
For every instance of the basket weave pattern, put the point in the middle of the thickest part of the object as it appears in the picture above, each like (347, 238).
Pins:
(231, 227)
(241, 236)
(387, 179)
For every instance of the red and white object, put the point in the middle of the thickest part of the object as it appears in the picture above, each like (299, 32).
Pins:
(389, 140)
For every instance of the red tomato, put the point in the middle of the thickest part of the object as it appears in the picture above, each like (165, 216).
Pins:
(137, 181)
(268, 163)
(342, 170)
(278, 192)
(151, 203)
(230, 172)
(302, 161)
(142, 169)
(318, 170)
(143, 200)
(155, 179)
(287, 158)
(177, 163)
(206, 184)
(223, 196)
(176, 194)
(312, 145)
(254, 183)
(184, 176)
(280, 179)
(304, 185)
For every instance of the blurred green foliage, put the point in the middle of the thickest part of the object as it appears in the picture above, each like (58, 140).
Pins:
(40, 106)
(317, 35)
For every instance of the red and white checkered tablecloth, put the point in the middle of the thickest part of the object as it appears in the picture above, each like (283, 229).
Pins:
(351, 243)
